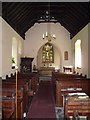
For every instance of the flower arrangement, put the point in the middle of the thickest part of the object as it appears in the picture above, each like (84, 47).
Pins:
(13, 60)
(24, 68)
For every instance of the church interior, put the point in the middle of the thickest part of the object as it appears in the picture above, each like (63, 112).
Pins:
(44, 60)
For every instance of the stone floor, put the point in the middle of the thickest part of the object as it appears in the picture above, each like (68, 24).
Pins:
(59, 113)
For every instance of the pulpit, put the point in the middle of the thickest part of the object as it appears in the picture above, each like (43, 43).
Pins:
(26, 64)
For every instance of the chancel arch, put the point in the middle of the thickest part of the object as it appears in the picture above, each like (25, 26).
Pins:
(55, 61)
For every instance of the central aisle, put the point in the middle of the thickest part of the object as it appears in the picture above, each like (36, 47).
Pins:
(43, 105)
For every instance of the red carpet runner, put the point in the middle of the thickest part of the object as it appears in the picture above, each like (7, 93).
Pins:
(43, 105)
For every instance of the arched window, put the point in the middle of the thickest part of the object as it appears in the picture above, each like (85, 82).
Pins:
(14, 52)
(47, 53)
(78, 54)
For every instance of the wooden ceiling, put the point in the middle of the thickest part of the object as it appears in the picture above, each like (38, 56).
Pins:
(23, 15)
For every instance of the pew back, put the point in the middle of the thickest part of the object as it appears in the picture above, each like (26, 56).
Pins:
(71, 83)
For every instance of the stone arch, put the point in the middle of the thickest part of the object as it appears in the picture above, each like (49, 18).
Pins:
(57, 59)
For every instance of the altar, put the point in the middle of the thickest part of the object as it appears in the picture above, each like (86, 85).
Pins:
(46, 71)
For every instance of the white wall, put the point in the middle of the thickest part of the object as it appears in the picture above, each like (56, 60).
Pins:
(0, 46)
(83, 36)
(33, 41)
(89, 50)
(7, 35)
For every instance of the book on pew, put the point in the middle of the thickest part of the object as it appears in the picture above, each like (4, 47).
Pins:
(78, 93)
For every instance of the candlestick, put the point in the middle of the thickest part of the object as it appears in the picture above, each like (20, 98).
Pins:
(16, 91)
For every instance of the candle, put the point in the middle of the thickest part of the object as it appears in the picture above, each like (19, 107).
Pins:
(46, 34)
(54, 36)
(16, 90)
(43, 36)
(16, 67)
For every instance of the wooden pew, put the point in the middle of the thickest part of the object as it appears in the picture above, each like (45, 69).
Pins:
(8, 104)
(59, 75)
(70, 83)
(20, 103)
(28, 87)
(23, 84)
(8, 108)
(21, 75)
(12, 86)
(77, 106)
(33, 86)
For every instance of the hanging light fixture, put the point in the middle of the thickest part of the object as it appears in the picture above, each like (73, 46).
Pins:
(47, 35)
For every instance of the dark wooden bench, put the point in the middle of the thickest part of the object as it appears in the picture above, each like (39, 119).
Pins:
(20, 101)
(8, 103)
(70, 83)
(26, 84)
(33, 86)
(77, 106)
(59, 75)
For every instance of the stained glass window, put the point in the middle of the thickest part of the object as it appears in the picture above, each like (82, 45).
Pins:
(47, 53)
